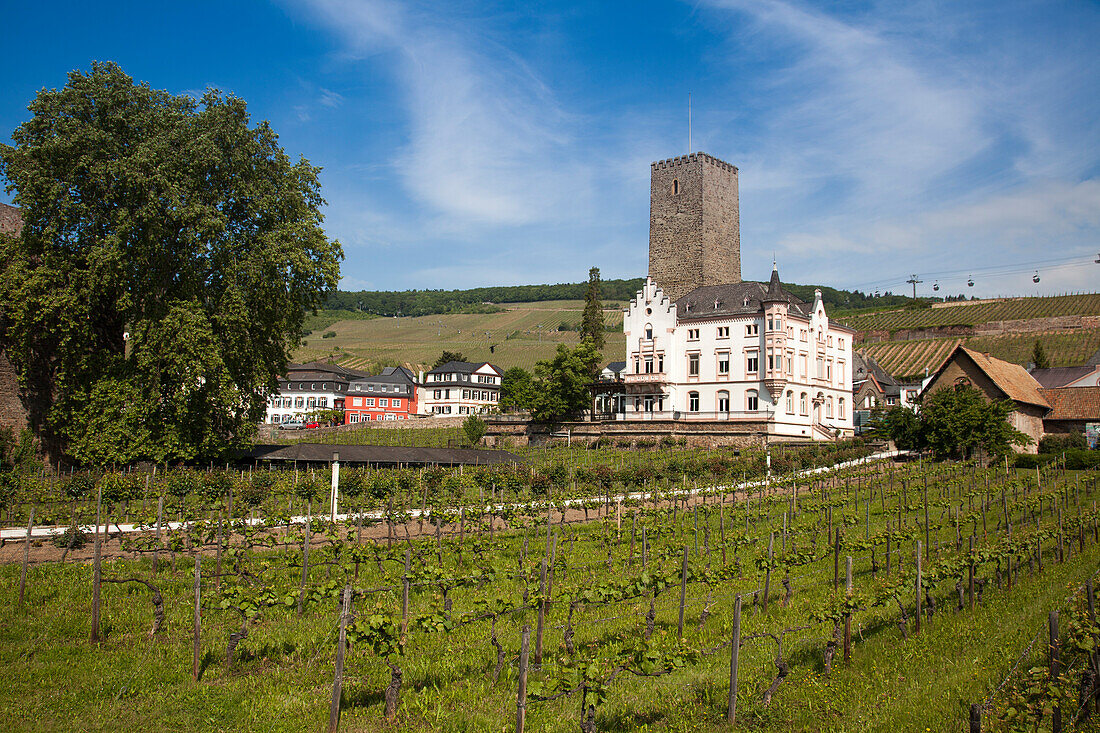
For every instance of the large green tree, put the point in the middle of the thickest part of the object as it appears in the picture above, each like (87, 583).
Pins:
(956, 422)
(168, 255)
(562, 383)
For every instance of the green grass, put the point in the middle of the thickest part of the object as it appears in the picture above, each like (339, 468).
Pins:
(972, 314)
(521, 335)
(912, 358)
(56, 680)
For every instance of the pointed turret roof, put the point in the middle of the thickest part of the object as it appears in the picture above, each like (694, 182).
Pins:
(775, 289)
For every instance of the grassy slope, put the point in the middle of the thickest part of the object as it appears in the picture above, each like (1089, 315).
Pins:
(911, 358)
(972, 314)
(417, 342)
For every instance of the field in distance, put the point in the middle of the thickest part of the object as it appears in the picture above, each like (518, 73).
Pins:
(521, 335)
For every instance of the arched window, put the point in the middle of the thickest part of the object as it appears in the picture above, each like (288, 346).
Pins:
(752, 400)
(840, 408)
(790, 402)
(803, 405)
(723, 401)
(649, 331)
(675, 186)
(693, 402)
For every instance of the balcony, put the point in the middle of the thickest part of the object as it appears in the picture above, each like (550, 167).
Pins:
(651, 378)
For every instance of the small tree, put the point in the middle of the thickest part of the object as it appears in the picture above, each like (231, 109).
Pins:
(447, 356)
(517, 389)
(475, 428)
(903, 427)
(592, 320)
(1039, 355)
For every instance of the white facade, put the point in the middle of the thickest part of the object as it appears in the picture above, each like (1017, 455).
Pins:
(459, 388)
(307, 388)
(767, 356)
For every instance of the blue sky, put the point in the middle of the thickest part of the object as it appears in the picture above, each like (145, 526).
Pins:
(468, 144)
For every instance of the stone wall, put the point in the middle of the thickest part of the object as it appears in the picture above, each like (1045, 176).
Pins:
(990, 328)
(12, 413)
(694, 224)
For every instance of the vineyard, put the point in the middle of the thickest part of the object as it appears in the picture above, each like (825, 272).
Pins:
(520, 336)
(912, 358)
(630, 596)
(976, 313)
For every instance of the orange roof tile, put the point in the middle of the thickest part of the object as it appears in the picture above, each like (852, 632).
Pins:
(1012, 379)
(1073, 403)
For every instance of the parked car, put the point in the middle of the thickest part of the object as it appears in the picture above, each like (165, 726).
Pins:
(292, 425)
(313, 425)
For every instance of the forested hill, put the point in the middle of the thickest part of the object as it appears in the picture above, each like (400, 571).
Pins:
(482, 300)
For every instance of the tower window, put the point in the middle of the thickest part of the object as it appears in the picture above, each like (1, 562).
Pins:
(675, 186)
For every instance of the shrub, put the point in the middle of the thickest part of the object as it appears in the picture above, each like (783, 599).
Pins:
(75, 534)
(1060, 443)
(259, 488)
(328, 335)
(79, 486)
(182, 482)
(1027, 460)
(475, 428)
(1082, 460)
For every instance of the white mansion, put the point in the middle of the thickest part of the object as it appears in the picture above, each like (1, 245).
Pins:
(743, 351)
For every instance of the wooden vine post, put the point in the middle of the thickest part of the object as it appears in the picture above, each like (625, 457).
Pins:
(916, 626)
(521, 694)
(198, 617)
(26, 558)
(768, 571)
(542, 614)
(338, 676)
(847, 613)
(1055, 670)
(97, 567)
(735, 650)
(683, 593)
(405, 594)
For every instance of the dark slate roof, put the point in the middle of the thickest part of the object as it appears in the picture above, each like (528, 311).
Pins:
(616, 366)
(462, 367)
(391, 375)
(381, 455)
(1060, 376)
(315, 370)
(869, 366)
(743, 298)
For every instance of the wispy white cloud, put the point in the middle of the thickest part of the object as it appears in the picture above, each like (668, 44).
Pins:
(487, 141)
(914, 136)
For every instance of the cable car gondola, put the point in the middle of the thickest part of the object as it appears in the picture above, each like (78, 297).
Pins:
(1035, 277)
(936, 285)
(970, 283)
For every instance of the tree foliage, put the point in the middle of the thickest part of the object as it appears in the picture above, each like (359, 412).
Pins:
(562, 383)
(592, 320)
(903, 427)
(447, 356)
(1039, 355)
(956, 422)
(517, 389)
(474, 428)
(168, 255)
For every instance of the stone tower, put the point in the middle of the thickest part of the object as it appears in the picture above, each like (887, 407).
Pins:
(694, 224)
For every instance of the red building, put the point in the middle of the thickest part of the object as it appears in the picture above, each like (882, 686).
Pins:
(390, 395)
